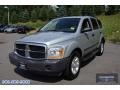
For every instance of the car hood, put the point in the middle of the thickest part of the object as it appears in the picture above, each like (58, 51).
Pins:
(47, 37)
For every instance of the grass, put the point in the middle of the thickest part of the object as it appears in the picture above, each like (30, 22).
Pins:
(111, 25)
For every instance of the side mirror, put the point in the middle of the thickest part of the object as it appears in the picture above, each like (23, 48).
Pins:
(86, 29)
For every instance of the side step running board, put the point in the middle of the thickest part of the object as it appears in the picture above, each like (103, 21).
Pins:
(91, 54)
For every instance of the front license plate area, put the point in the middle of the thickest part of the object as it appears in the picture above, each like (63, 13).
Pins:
(22, 66)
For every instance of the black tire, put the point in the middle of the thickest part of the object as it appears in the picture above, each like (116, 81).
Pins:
(68, 72)
(100, 49)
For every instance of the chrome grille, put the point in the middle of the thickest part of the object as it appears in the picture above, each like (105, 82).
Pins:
(37, 48)
(30, 51)
(20, 46)
(37, 51)
(20, 49)
(20, 52)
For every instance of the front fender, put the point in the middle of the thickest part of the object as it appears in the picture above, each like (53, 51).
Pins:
(71, 47)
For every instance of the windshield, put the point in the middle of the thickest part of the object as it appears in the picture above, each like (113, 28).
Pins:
(62, 25)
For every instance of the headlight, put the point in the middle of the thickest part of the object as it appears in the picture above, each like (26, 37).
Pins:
(56, 53)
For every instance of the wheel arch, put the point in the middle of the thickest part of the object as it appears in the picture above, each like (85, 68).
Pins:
(78, 50)
(103, 39)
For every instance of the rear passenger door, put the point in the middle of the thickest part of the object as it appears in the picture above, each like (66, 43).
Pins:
(86, 35)
(95, 32)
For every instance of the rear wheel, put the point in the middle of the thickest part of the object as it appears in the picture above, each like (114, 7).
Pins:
(73, 68)
(101, 49)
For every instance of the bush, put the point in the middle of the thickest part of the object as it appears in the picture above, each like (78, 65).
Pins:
(111, 27)
(37, 24)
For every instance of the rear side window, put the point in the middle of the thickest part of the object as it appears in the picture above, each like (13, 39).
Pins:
(94, 24)
(85, 24)
(99, 22)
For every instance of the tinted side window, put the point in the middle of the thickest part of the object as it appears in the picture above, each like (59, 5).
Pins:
(85, 24)
(99, 22)
(94, 23)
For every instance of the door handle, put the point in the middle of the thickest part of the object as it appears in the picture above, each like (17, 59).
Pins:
(86, 35)
(93, 34)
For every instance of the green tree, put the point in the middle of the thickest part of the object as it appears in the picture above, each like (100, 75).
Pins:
(75, 10)
(38, 11)
(98, 9)
(110, 9)
(88, 10)
(51, 13)
(34, 16)
(24, 16)
(24, 13)
(5, 18)
(43, 13)
(13, 17)
(62, 11)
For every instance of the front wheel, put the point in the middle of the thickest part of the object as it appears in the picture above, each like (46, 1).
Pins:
(100, 49)
(73, 68)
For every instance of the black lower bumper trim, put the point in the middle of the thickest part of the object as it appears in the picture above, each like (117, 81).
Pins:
(46, 65)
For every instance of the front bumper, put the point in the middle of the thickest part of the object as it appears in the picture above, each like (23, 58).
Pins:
(47, 66)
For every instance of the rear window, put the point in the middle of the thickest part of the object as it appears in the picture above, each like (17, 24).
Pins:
(99, 22)
(94, 23)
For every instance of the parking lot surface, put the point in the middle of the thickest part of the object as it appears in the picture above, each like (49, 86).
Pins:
(108, 63)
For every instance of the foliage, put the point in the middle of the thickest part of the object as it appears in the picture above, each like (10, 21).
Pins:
(111, 27)
(26, 13)
(14, 17)
(62, 11)
(43, 13)
(33, 16)
(51, 13)
(75, 10)
(37, 24)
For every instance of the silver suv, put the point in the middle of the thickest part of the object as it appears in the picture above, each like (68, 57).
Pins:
(60, 46)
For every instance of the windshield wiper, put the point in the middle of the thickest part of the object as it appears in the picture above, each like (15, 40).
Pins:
(58, 30)
(66, 30)
(47, 30)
